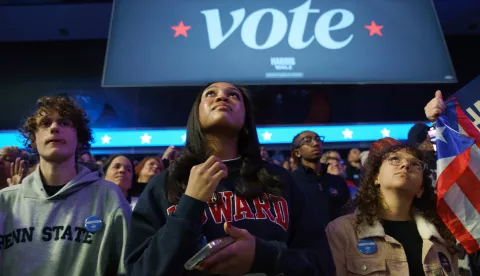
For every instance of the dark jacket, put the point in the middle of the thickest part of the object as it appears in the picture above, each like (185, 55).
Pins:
(327, 193)
(289, 239)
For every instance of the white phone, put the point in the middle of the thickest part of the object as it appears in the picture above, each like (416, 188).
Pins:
(208, 250)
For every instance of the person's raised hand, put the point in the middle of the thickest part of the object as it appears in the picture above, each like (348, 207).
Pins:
(18, 171)
(435, 107)
(169, 153)
(204, 178)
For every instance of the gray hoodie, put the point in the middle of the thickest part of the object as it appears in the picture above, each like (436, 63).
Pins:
(42, 235)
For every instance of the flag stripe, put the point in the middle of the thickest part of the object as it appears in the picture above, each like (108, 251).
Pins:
(468, 183)
(454, 216)
(474, 163)
(443, 163)
(451, 173)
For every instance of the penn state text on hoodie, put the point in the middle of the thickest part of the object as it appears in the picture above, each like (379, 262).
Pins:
(289, 239)
(42, 235)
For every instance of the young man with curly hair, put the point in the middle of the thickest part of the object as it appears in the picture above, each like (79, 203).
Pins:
(63, 219)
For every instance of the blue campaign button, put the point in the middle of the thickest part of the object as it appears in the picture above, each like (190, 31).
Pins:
(367, 246)
(93, 224)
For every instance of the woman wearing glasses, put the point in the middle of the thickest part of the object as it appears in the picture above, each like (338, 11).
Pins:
(327, 192)
(336, 167)
(396, 229)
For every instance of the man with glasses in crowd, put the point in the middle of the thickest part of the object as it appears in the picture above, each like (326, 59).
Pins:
(327, 192)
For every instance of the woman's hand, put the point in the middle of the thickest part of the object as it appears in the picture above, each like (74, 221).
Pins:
(205, 177)
(235, 259)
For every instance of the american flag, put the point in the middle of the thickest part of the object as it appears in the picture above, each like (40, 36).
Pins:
(458, 170)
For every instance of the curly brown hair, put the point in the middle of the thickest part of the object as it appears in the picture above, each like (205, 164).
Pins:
(369, 199)
(66, 108)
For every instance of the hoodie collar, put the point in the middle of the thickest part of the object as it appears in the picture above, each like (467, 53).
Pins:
(426, 229)
(32, 185)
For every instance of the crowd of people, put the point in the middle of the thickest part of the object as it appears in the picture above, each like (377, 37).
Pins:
(307, 213)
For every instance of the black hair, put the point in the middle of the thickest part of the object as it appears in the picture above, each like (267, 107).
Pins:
(295, 145)
(109, 161)
(255, 179)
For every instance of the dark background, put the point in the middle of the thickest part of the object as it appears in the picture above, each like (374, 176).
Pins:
(44, 53)
(32, 69)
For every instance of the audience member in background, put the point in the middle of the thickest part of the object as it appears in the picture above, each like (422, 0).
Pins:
(354, 166)
(119, 170)
(329, 193)
(8, 156)
(276, 162)
(363, 157)
(101, 161)
(293, 163)
(331, 154)
(264, 154)
(148, 168)
(433, 110)
(286, 165)
(64, 219)
(277, 158)
(87, 157)
(220, 186)
(144, 171)
(25, 156)
(396, 229)
(31, 161)
(335, 166)
(338, 167)
(380, 144)
(418, 138)
(169, 156)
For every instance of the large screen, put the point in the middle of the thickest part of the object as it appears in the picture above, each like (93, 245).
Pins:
(194, 42)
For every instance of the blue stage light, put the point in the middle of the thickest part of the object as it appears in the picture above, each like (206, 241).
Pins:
(119, 138)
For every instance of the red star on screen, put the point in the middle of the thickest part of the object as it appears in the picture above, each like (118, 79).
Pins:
(374, 29)
(181, 29)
